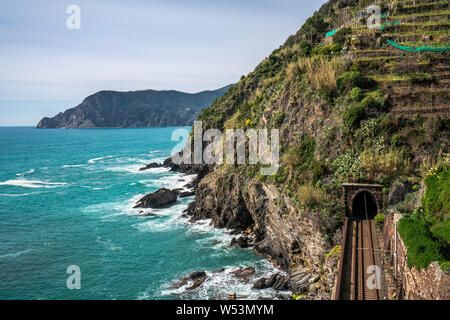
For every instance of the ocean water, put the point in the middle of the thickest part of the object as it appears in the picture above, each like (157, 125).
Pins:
(66, 198)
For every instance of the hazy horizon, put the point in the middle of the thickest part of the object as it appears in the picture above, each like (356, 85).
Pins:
(139, 45)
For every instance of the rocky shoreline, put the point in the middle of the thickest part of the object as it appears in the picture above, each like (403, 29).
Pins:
(298, 280)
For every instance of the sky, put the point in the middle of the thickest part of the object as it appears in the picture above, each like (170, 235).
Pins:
(190, 46)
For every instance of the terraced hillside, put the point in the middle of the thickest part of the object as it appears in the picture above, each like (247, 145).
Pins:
(417, 81)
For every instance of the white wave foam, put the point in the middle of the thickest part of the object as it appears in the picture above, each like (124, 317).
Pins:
(73, 165)
(109, 244)
(24, 173)
(170, 181)
(94, 160)
(159, 220)
(116, 208)
(218, 284)
(102, 188)
(32, 184)
(134, 168)
(15, 254)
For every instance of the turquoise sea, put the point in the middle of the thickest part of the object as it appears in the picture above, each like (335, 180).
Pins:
(66, 198)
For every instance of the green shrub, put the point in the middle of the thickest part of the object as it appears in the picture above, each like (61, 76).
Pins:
(353, 115)
(422, 248)
(370, 103)
(356, 94)
(314, 26)
(379, 219)
(340, 36)
(281, 175)
(436, 199)
(278, 118)
(301, 155)
(262, 177)
(441, 230)
(420, 78)
(397, 140)
(351, 79)
(334, 252)
(445, 266)
(305, 48)
(387, 163)
(320, 169)
(346, 163)
(326, 50)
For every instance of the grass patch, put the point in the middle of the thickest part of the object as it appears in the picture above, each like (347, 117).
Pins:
(310, 196)
(322, 72)
(379, 219)
(422, 248)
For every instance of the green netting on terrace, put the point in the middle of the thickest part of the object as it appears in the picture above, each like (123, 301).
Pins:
(417, 49)
(330, 33)
(388, 24)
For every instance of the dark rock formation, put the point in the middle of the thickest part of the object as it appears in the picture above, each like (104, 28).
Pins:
(297, 281)
(260, 284)
(197, 283)
(198, 277)
(184, 194)
(241, 242)
(197, 274)
(151, 166)
(244, 272)
(146, 108)
(277, 281)
(160, 198)
(282, 283)
(271, 281)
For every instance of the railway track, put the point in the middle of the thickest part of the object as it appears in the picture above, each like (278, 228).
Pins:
(357, 256)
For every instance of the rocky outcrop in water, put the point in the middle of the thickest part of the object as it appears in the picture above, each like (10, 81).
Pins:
(162, 197)
(241, 242)
(192, 281)
(244, 272)
(152, 166)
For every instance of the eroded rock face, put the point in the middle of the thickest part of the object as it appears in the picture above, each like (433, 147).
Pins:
(398, 192)
(278, 232)
(162, 197)
(238, 203)
(260, 284)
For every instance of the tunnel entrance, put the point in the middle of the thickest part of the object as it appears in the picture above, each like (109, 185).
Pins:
(362, 200)
(364, 206)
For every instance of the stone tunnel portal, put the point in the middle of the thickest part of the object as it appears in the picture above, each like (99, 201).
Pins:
(362, 201)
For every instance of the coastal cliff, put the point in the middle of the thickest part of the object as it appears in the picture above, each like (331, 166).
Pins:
(146, 108)
(343, 116)
(291, 241)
